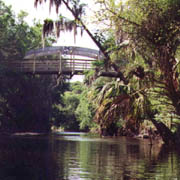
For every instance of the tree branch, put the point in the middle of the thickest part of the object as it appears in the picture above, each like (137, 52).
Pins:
(102, 49)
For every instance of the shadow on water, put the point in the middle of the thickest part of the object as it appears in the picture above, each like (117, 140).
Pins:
(26, 159)
(78, 157)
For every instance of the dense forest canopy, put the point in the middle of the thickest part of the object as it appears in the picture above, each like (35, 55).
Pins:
(26, 101)
(152, 31)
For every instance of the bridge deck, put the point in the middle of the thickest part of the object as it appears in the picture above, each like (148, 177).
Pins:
(65, 66)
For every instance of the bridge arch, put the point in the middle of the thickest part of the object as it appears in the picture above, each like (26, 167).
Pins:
(62, 66)
(65, 50)
(71, 60)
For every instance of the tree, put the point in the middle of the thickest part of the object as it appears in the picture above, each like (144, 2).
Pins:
(146, 34)
(75, 111)
(65, 116)
(151, 29)
(25, 100)
(85, 112)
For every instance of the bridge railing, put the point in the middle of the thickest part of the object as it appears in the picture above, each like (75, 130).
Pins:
(50, 66)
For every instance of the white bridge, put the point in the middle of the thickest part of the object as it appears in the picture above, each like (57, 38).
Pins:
(67, 60)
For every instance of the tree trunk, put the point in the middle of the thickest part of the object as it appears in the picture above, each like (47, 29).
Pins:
(167, 136)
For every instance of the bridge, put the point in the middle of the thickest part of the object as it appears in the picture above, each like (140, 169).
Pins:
(65, 60)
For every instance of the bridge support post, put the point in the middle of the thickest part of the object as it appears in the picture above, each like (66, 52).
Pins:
(72, 63)
(21, 66)
(34, 65)
(60, 63)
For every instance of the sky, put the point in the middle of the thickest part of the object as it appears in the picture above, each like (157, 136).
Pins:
(41, 13)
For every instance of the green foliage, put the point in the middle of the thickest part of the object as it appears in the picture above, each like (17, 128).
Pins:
(64, 113)
(22, 105)
(85, 111)
(76, 88)
(77, 104)
(140, 45)
(25, 100)
(144, 44)
(75, 112)
(140, 41)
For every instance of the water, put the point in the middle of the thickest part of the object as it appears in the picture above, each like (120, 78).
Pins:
(79, 157)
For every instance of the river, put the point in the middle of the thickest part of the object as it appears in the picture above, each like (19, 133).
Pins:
(76, 156)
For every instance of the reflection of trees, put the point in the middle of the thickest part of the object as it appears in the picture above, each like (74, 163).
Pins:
(117, 160)
(165, 166)
(66, 154)
(132, 160)
(79, 158)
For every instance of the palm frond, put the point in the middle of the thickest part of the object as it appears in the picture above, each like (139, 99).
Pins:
(111, 109)
(102, 93)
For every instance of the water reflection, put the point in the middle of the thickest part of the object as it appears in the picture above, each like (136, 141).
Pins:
(25, 159)
(78, 157)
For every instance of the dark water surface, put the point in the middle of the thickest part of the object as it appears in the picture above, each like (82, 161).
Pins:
(79, 157)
